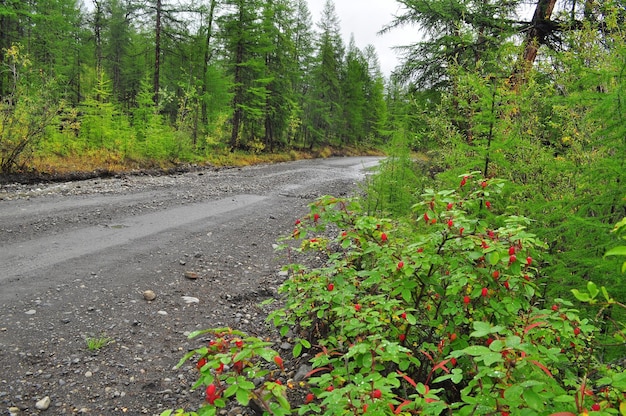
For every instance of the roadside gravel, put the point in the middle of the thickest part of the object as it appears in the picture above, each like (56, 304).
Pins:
(48, 312)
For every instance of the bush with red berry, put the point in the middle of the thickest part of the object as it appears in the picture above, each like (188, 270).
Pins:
(436, 314)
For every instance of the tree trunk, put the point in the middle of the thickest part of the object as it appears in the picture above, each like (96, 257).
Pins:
(207, 58)
(535, 37)
(157, 52)
(238, 81)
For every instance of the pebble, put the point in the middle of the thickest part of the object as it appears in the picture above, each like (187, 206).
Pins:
(149, 295)
(190, 299)
(14, 411)
(30, 312)
(191, 275)
(162, 313)
(43, 404)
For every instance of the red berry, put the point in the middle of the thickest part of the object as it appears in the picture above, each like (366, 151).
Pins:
(309, 398)
(344, 234)
(461, 231)
(383, 237)
(357, 307)
(507, 285)
(484, 184)
(403, 315)
(433, 221)
(376, 394)
(420, 250)
(211, 393)
(484, 292)
(426, 217)
(201, 363)
(576, 331)
(401, 337)
(238, 366)
(453, 362)
(496, 274)
(527, 278)
(316, 217)
(220, 368)
(464, 181)
(452, 336)
(331, 287)
(297, 222)
(489, 341)
(450, 206)
(555, 307)
(466, 299)
(400, 264)
(511, 250)
(488, 204)
(279, 362)
(512, 259)
(330, 388)
(595, 407)
(450, 223)
(504, 413)
(529, 260)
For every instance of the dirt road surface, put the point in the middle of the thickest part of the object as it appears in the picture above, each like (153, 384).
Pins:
(76, 258)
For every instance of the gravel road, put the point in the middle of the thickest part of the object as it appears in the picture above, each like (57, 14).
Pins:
(76, 258)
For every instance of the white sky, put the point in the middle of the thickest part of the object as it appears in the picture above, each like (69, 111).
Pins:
(364, 19)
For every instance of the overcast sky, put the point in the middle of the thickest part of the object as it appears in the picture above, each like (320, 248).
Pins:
(365, 18)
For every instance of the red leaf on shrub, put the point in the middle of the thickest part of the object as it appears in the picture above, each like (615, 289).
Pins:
(400, 406)
(543, 367)
(442, 365)
(407, 378)
(531, 326)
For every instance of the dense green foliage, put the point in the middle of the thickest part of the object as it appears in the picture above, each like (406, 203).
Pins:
(137, 81)
(437, 313)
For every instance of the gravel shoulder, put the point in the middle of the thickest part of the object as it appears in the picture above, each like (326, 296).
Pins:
(76, 258)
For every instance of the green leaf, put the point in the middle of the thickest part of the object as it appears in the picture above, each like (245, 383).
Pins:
(492, 357)
(496, 345)
(481, 329)
(476, 350)
(533, 400)
(493, 258)
(243, 396)
(457, 375)
(185, 358)
(616, 251)
(593, 289)
(297, 350)
(231, 390)
(583, 297)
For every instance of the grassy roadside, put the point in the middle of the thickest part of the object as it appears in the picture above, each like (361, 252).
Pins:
(106, 162)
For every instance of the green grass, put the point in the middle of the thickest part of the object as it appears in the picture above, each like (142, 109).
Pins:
(96, 343)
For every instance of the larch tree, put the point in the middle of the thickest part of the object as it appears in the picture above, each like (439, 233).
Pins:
(325, 108)
(354, 82)
(302, 56)
(246, 48)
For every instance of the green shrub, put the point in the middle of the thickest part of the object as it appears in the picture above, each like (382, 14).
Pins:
(435, 314)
